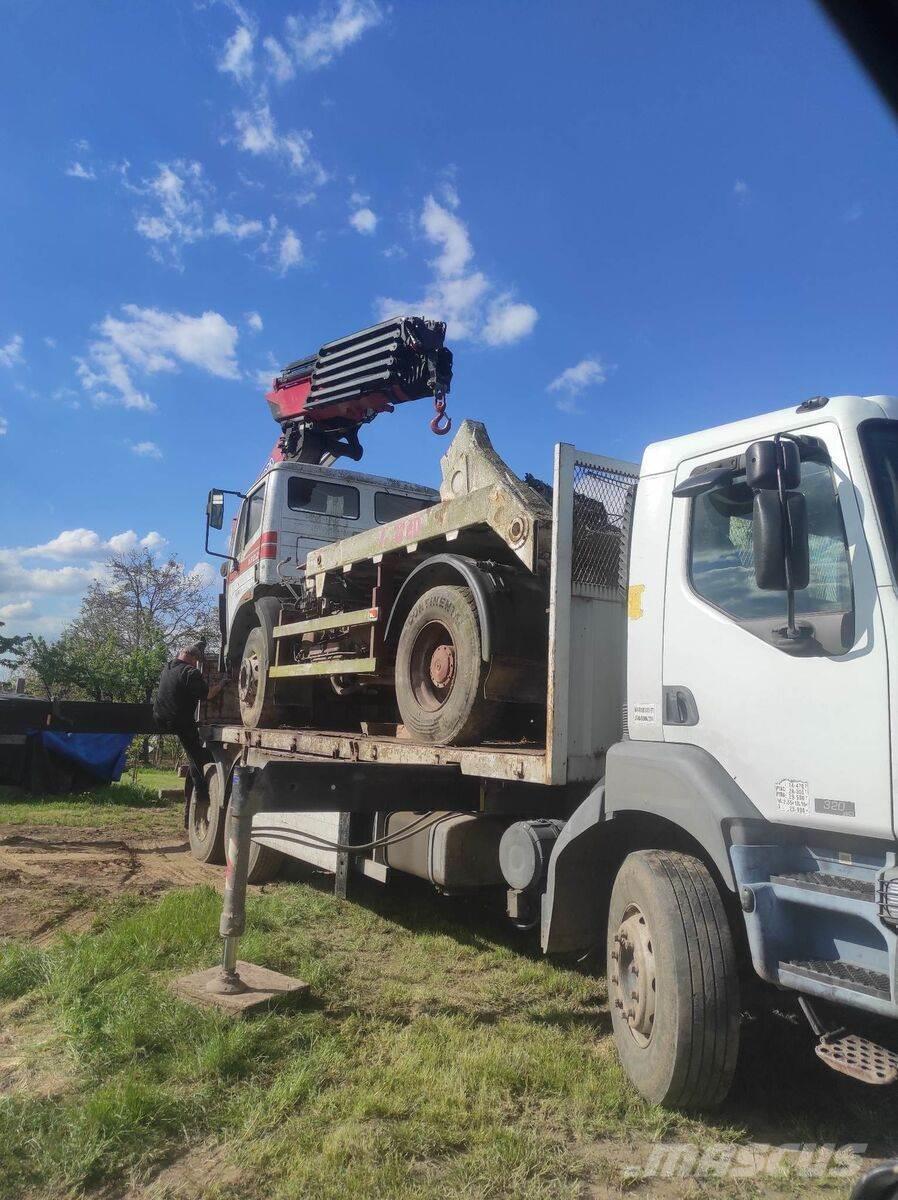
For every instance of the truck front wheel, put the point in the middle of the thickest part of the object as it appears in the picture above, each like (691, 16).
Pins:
(672, 980)
(440, 669)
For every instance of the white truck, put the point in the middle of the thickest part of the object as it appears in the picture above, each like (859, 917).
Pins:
(676, 742)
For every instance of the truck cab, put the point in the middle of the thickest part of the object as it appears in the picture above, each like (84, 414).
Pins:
(291, 509)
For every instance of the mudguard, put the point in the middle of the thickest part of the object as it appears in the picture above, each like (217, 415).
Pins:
(681, 784)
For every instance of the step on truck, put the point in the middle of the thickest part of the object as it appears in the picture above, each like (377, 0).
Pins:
(649, 707)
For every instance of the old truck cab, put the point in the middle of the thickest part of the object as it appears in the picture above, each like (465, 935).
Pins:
(291, 509)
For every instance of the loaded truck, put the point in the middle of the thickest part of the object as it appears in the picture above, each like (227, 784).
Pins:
(647, 707)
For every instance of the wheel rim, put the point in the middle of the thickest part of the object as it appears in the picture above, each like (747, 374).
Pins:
(633, 979)
(248, 680)
(432, 666)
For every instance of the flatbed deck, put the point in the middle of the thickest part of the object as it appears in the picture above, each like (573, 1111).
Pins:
(519, 761)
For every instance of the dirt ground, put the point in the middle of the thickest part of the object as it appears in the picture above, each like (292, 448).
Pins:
(53, 878)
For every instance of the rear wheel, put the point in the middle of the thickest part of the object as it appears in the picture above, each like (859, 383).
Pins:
(440, 669)
(206, 819)
(254, 687)
(672, 980)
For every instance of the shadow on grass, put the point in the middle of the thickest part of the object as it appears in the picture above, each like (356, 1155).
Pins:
(782, 1092)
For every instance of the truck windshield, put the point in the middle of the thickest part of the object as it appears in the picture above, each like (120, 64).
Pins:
(880, 442)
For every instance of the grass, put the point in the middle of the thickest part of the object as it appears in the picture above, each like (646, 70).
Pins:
(135, 804)
(438, 1056)
(431, 1062)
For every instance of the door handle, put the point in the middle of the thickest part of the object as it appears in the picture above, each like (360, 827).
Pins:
(679, 706)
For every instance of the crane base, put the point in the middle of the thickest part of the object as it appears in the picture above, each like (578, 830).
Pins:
(264, 988)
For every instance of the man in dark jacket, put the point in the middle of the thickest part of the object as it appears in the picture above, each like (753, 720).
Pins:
(181, 688)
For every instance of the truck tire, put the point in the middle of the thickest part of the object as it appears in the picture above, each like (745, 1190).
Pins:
(440, 669)
(673, 983)
(264, 863)
(254, 688)
(206, 822)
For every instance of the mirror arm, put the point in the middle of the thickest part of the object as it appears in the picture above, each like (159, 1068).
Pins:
(216, 553)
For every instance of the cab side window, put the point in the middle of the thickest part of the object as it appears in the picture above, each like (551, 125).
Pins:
(252, 517)
(721, 565)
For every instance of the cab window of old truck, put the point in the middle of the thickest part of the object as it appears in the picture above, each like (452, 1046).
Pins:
(390, 507)
(319, 496)
(722, 564)
(253, 520)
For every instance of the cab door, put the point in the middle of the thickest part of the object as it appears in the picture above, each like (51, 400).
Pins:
(242, 577)
(805, 735)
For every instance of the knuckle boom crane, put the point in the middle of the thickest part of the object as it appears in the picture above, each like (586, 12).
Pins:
(321, 401)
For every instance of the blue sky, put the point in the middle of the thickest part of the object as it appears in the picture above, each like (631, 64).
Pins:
(639, 220)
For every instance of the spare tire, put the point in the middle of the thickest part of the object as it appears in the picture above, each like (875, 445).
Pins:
(440, 669)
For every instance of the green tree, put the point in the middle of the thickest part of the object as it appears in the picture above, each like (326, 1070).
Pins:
(130, 622)
(13, 649)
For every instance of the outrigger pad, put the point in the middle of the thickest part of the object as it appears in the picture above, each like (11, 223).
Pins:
(264, 988)
(860, 1058)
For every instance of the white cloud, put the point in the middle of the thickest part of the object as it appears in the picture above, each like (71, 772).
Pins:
(174, 213)
(57, 588)
(148, 341)
(458, 294)
(16, 580)
(204, 573)
(77, 170)
(508, 321)
(87, 543)
(289, 252)
(363, 221)
(11, 354)
(258, 134)
(146, 450)
(236, 226)
(317, 41)
(280, 63)
(17, 609)
(741, 191)
(237, 57)
(4, 426)
(444, 229)
(588, 372)
(854, 213)
(262, 377)
(71, 543)
(50, 342)
(254, 321)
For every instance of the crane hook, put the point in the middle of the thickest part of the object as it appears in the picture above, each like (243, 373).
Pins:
(441, 423)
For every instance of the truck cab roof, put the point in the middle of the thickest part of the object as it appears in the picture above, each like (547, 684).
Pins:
(846, 411)
(355, 478)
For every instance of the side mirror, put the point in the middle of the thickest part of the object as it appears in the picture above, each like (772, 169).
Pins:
(768, 462)
(215, 509)
(780, 540)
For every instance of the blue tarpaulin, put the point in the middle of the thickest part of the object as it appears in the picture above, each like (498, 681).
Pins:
(102, 754)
